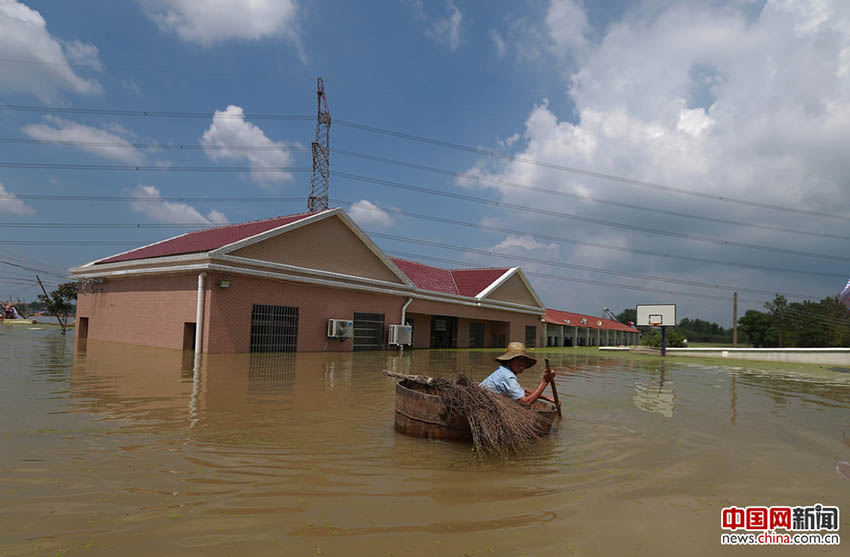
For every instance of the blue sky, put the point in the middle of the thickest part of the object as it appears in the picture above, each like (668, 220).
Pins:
(601, 106)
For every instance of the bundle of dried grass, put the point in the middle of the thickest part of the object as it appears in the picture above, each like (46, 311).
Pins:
(499, 425)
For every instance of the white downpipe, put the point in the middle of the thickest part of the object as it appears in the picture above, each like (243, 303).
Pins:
(199, 315)
(403, 315)
(404, 310)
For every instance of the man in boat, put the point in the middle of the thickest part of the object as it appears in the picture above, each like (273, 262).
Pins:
(11, 312)
(504, 380)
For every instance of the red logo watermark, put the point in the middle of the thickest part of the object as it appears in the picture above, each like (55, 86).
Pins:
(762, 525)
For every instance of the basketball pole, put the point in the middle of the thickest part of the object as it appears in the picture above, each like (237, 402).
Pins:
(735, 320)
(663, 340)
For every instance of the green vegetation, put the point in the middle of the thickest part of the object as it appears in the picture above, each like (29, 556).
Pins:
(653, 338)
(823, 324)
(61, 302)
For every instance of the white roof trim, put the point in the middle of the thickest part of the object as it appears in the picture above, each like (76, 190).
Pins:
(497, 283)
(141, 267)
(225, 250)
(89, 268)
(503, 279)
(307, 280)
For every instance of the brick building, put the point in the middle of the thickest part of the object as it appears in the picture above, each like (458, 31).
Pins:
(272, 285)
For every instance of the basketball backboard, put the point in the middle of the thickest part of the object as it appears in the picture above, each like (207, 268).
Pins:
(663, 315)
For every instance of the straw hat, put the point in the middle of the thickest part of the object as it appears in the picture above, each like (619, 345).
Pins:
(516, 350)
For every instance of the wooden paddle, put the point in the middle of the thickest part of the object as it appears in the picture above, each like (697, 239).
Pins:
(554, 389)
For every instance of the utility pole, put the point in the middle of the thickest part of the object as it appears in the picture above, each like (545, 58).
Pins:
(735, 320)
(320, 178)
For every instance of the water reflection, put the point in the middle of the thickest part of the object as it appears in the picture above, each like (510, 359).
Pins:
(655, 397)
(141, 450)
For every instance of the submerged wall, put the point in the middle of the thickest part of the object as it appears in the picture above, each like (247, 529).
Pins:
(830, 356)
(826, 356)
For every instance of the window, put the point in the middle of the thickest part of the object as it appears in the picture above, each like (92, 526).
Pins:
(274, 328)
(476, 335)
(368, 331)
(530, 336)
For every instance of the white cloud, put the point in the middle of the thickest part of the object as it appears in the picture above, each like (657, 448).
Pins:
(499, 42)
(366, 213)
(706, 98)
(525, 244)
(229, 131)
(94, 140)
(131, 85)
(44, 67)
(148, 201)
(566, 22)
(446, 30)
(79, 53)
(211, 21)
(9, 203)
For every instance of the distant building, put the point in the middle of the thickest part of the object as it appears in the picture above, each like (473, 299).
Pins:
(562, 328)
(273, 285)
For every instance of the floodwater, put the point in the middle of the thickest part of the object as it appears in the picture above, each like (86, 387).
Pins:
(115, 449)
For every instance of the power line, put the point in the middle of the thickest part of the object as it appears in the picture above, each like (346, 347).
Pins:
(578, 267)
(583, 172)
(33, 269)
(183, 198)
(524, 208)
(585, 243)
(431, 191)
(830, 321)
(578, 280)
(151, 113)
(99, 226)
(440, 143)
(455, 248)
(388, 210)
(143, 168)
(436, 170)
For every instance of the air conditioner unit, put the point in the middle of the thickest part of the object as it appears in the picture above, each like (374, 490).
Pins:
(340, 328)
(401, 335)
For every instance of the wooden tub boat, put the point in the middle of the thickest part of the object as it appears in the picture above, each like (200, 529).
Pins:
(421, 412)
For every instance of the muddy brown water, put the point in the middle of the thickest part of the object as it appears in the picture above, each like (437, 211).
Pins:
(115, 449)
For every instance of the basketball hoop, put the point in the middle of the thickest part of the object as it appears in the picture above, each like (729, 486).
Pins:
(655, 323)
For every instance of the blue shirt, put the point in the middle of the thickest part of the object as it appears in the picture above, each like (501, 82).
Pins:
(505, 382)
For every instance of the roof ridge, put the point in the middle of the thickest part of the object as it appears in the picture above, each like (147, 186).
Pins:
(482, 269)
(454, 282)
(234, 224)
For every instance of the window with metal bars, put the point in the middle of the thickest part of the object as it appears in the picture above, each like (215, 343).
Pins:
(274, 328)
(368, 331)
(530, 336)
(476, 335)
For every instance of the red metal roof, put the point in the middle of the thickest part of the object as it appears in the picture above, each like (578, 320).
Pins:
(470, 282)
(205, 240)
(465, 282)
(558, 317)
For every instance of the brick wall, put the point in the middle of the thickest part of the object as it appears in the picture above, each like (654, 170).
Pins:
(151, 311)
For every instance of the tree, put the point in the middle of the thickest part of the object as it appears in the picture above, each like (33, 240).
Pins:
(653, 338)
(60, 302)
(697, 330)
(759, 329)
(628, 314)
